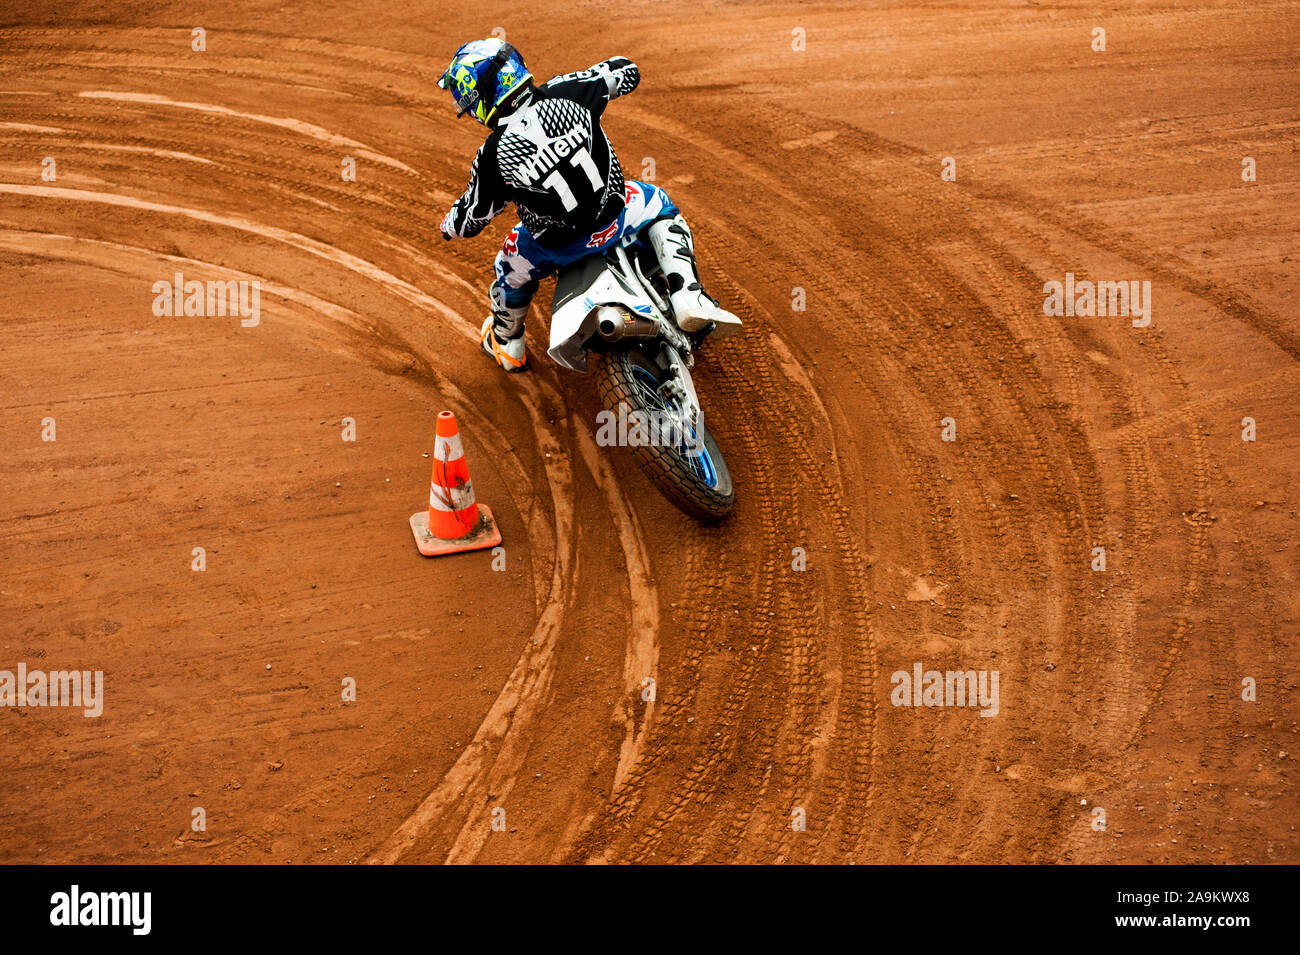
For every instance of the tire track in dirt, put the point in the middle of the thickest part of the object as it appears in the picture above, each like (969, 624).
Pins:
(1075, 441)
(856, 696)
(1191, 587)
(357, 61)
(641, 658)
(604, 834)
(792, 662)
(1195, 565)
(294, 125)
(486, 768)
(1187, 414)
(853, 700)
(548, 617)
(238, 164)
(499, 777)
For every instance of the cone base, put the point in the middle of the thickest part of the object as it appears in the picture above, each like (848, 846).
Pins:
(483, 534)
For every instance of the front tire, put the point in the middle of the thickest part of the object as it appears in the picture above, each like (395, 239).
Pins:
(699, 485)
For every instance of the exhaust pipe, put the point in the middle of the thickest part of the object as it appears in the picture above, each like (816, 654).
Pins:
(614, 325)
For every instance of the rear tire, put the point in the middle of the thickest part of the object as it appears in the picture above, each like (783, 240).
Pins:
(701, 486)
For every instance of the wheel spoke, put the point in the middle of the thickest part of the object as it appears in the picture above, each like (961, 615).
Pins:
(700, 465)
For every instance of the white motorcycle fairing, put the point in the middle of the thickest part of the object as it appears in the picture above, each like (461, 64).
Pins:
(590, 290)
(580, 292)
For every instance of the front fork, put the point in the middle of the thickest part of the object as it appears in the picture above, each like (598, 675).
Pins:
(675, 350)
(680, 387)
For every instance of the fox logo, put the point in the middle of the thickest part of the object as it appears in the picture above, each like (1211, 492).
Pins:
(630, 194)
(604, 235)
(511, 246)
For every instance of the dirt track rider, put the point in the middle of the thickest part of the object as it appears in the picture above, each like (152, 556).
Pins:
(627, 284)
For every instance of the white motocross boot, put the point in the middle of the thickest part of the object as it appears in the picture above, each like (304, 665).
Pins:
(692, 307)
(502, 334)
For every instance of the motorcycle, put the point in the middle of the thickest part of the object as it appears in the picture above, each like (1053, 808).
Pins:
(616, 305)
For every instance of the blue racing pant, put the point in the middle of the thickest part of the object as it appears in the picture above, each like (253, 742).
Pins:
(522, 261)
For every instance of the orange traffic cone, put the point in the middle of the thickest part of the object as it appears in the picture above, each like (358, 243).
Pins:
(454, 521)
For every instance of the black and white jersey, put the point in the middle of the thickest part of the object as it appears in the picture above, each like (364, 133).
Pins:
(552, 160)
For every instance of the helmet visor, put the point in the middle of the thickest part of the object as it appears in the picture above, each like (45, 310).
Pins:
(462, 84)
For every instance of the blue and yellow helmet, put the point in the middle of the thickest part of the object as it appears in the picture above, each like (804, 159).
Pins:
(482, 75)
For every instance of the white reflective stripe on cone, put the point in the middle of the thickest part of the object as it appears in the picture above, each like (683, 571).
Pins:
(451, 498)
(448, 449)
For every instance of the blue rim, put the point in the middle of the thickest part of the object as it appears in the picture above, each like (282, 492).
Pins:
(701, 464)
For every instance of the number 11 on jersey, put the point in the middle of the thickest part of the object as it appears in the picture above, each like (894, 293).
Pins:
(556, 181)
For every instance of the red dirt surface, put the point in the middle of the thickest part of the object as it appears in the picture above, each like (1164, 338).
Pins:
(521, 690)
